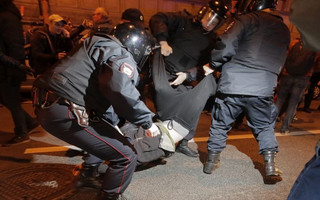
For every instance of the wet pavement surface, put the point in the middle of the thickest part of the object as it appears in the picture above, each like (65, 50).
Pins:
(47, 168)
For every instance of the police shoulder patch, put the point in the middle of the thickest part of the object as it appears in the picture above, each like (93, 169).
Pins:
(127, 69)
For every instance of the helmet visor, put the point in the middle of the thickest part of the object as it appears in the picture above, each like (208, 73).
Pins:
(210, 20)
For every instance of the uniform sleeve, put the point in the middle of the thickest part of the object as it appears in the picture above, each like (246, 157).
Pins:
(227, 44)
(163, 24)
(117, 79)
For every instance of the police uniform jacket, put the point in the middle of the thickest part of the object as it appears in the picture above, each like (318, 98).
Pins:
(191, 46)
(252, 52)
(100, 75)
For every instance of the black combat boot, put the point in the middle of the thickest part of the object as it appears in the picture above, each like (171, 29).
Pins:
(182, 147)
(89, 177)
(212, 163)
(269, 161)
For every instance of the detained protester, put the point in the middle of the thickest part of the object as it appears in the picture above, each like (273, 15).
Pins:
(251, 54)
(78, 101)
(186, 42)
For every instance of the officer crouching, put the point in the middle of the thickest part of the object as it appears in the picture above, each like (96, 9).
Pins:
(97, 81)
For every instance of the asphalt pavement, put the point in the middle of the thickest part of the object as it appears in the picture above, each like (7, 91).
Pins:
(46, 167)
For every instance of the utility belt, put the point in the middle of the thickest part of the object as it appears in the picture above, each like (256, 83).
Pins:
(45, 99)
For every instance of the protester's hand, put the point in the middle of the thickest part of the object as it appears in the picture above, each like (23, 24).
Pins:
(153, 131)
(166, 50)
(65, 33)
(87, 24)
(61, 55)
(207, 70)
(181, 76)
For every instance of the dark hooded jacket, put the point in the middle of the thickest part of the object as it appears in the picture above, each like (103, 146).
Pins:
(11, 44)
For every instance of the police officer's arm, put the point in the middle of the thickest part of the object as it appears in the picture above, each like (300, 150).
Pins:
(162, 25)
(227, 43)
(117, 79)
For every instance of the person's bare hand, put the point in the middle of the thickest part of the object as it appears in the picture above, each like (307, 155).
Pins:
(61, 55)
(166, 50)
(66, 33)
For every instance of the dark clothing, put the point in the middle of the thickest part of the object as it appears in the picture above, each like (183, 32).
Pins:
(100, 76)
(261, 117)
(299, 61)
(191, 48)
(294, 81)
(46, 46)
(315, 78)
(104, 26)
(252, 52)
(10, 98)
(190, 45)
(12, 51)
(147, 148)
(307, 184)
(87, 78)
(9, 61)
(178, 104)
(11, 44)
(291, 88)
(99, 139)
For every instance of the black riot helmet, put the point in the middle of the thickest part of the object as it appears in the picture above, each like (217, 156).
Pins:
(138, 40)
(212, 15)
(245, 6)
(263, 4)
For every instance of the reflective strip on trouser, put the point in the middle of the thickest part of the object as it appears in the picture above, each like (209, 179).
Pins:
(99, 139)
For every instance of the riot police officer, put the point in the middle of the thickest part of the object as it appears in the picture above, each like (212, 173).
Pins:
(78, 100)
(186, 42)
(252, 52)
